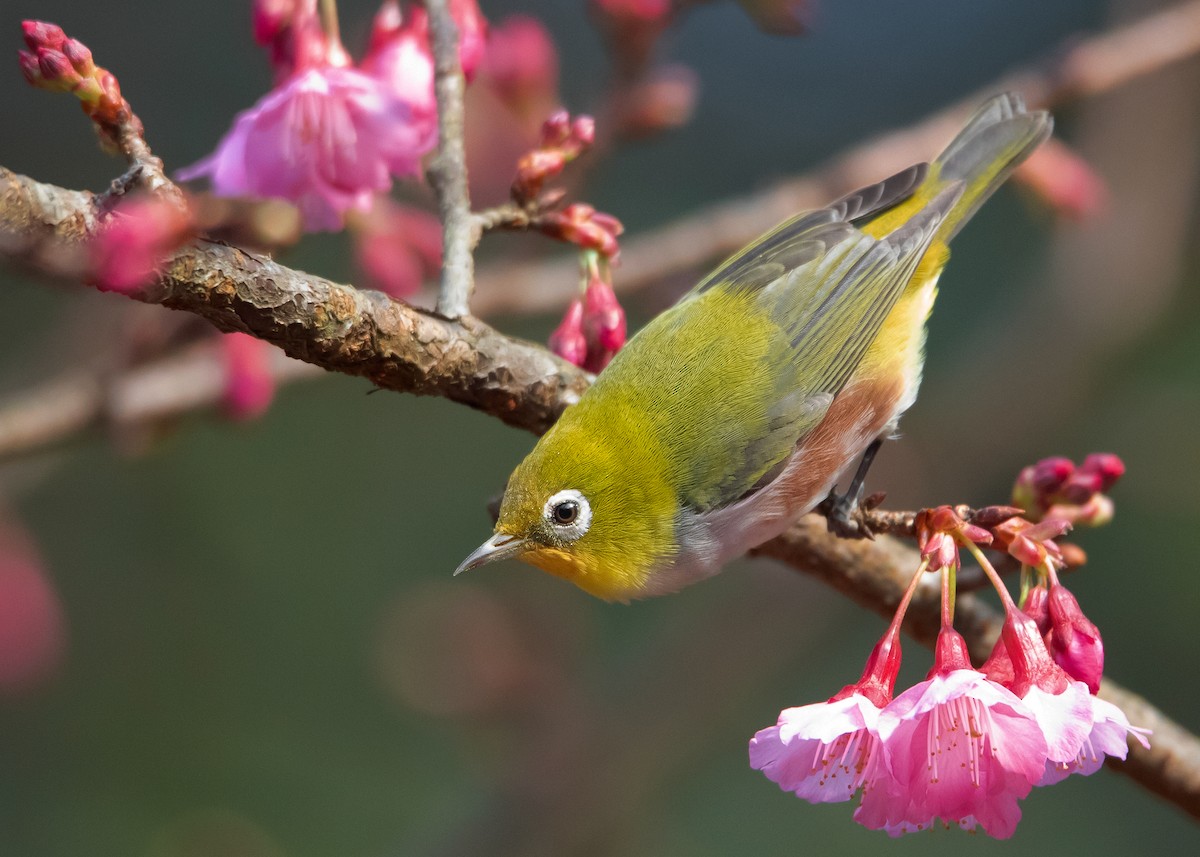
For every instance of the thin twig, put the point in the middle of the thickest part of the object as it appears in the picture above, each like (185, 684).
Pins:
(448, 170)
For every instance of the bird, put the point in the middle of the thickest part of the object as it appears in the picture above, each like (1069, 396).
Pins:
(734, 412)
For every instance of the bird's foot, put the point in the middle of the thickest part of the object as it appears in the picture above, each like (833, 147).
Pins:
(845, 514)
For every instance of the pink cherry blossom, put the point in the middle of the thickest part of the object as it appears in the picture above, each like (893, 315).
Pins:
(398, 247)
(824, 752)
(960, 748)
(1108, 736)
(329, 139)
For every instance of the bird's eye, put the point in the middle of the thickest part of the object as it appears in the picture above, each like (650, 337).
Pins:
(569, 514)
(566, 512)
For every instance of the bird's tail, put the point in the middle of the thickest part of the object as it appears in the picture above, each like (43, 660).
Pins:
(990, 146)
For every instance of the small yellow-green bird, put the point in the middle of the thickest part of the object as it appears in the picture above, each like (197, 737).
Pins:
(733, 413)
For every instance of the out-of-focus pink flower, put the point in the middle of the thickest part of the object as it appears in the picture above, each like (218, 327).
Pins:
(399, 57)
(32, 629)
(662, 99)
(291, 32)
(603, 324)
(392, 25)
(567, 340)
(329, 139)
(520, 64)
(398, 247)
(636, 10)
(249, 381)
(1074, 640)
(1064, 181)
(138, 234)
(959, 747)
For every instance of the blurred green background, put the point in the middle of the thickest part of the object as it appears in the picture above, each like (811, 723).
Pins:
(265, 654)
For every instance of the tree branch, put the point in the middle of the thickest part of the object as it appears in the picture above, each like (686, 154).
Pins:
(448, 170)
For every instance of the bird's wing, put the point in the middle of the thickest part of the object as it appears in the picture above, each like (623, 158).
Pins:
(824, 288)
(791, 244)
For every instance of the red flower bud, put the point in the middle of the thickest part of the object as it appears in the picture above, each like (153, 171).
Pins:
(30, 69)
(603, 324)
(1074, 640)
(79, 56)
(56, 71)
(567, 340)
(1064, 181)
(1109, 467)
(583, 131)
(42, 34)
(582, 225)
(556, 130)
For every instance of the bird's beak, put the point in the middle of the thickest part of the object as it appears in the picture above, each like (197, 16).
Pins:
(498, 547)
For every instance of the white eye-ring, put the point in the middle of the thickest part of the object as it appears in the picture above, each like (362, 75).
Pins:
(569, 513)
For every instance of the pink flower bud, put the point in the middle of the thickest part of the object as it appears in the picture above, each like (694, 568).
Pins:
(30, 69)
(1037, 608)
(42, 34)
(603, 324)
(1074, 640)
(249, 382)
(269, 18)
(583, 131)
(80, 57)
(55, 70)
(472, 35)
(1109, 467)
(398, 247)
(532, 171)
(1050, 473)
(664, 99)
(567, 340)
(582, 225)
(521, 63)
(556, 130)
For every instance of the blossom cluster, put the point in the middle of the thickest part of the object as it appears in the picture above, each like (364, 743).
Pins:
(963, 747)
(332, 135)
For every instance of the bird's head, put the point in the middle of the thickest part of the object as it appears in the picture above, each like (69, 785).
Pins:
(598, 513)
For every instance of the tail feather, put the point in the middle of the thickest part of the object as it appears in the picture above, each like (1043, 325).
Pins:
(990, 146)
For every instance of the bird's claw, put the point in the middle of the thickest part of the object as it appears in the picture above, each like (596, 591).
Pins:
(845, 513)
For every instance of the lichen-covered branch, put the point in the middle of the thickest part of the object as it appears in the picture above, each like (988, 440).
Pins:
(335, 326)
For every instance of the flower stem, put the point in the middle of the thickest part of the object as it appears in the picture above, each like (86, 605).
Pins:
(902, 607)
(329, 21)
(991, 573)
